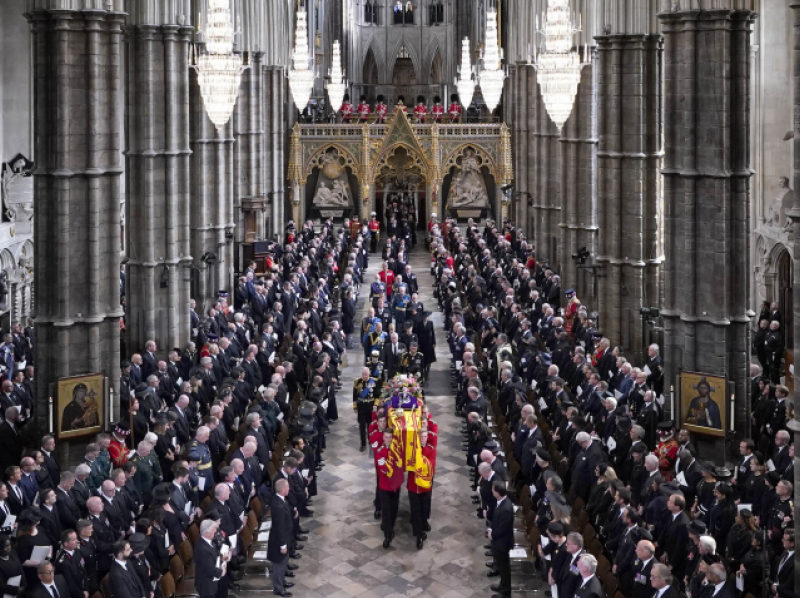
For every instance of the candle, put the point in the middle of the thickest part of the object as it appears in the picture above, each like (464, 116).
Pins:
(733, 399)
(50, 413)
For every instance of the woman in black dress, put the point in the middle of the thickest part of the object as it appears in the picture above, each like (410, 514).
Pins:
(722, 514)
(29, 536)
(753, 564)
(740, 538)
(10, 567)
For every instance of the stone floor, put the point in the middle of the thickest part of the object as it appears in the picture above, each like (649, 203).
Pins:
(343, 557)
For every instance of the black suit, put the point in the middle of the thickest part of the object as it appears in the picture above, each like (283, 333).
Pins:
(10, 446)
(502, 542)
(208, 576)
(673, 539)
(125, 583)
(104, 537)
(281, 534)
(641, 579)
(40, 591)
(783, 575)
(68, 510)
(592, 588)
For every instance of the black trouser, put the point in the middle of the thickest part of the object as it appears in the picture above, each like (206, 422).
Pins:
(390, 500)
(418, 501)
(364, 411)
(503, 566)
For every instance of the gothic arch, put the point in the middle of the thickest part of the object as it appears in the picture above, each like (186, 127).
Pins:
(451, 159)
(418, 160)
(314, 161)
(370, 74)
(391, 57)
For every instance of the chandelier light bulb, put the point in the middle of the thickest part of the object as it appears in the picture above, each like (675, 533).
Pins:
(492, 75)
(219, 70)
(337, 84)
(301, 77)
(464, 84)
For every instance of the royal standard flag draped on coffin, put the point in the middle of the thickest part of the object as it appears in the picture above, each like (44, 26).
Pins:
(407, 424)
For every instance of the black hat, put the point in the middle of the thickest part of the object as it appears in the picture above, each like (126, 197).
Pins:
(380, 98)
(556, 528)
(346, 97)
(420, 99)
(491, 445)
(162, 493)
(122, 429)
(723, 473)
(666, 426)
(141, 389)
(436, 99)
(697, 527)
(363, 98)
(639, 447)
(543, 454)
(669, 488)
(453, 97)
(138, 542)
(29, 517)
(708, 467)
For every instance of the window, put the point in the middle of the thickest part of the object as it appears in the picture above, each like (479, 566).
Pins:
(371, 10)
(436, 13)
(403, 12)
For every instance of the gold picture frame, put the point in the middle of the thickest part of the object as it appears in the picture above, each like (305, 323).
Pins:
(80, 405)
(703, 403)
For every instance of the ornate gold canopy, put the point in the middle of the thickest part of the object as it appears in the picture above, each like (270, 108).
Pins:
(374, 152)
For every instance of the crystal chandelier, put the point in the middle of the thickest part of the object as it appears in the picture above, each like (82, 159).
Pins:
(492, 74)
(301, 77)
(464, 83)
(337, 84)
(559, 66)
(219, 70)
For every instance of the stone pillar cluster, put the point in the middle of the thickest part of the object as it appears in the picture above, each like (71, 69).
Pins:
(157, 183)
(77, 102)
(629, 191)
(707, 197)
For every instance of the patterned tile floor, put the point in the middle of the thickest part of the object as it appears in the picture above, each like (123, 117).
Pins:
(343, 557)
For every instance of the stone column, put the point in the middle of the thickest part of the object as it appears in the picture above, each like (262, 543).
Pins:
(629, 153)
(547, 183)
(707, 199)
(157, 183)
(277, 100)
(249, 188)
(578, 187)
(211, 202)
(794, 216)
(77, 103)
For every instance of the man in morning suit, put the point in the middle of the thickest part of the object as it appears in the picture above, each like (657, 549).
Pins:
(210, 564)
(501, 535)
(661, 580)
(280, 537)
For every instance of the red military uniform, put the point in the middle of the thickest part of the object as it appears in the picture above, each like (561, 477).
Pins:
(437, 111)
(454, 111)
(346, 110)
(363, 111)
(117, 451)
(420, 112)
(571, 310)
(381, 110)
(387, 278)
(433, 431)
(667, 453)
(419, 497)
(374, 226)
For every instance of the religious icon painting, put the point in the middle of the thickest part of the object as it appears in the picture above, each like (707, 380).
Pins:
(704, 408)
(79, 406)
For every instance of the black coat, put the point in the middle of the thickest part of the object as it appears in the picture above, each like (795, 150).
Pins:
(503, 527)
(206, 580)
(40, 591)
(592, 589)
(282, 531)
(124, 583)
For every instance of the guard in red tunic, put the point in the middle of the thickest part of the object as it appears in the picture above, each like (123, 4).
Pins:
(667, 450)
(117, 450)
(374, 232)
(381, 110)
(420, 110)
(401, 105)
(420, 487)
(389, 467)
(571, 311)
(438, 110)
(454, 110)
(375, 439)
(363, 109)
(346, 109)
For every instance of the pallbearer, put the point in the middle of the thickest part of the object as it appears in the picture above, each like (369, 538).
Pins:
(389, 466)
(420, 486)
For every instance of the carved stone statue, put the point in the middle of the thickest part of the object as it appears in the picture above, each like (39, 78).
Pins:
(468, 189)
(780, 205)
(333, 188)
